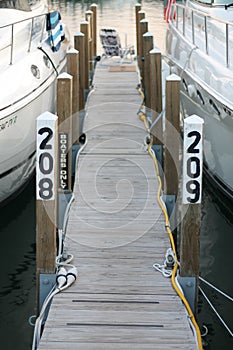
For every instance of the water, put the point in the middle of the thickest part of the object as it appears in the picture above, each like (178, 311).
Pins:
(17, 226)
(216, 267)
(17, 288)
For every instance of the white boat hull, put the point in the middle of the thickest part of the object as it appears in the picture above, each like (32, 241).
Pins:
(202, 93)
(24, 97)
(18, 132)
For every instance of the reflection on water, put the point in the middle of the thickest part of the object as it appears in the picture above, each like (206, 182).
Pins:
(17, 226)
(119, 14)
(17, 289)
(216, 267)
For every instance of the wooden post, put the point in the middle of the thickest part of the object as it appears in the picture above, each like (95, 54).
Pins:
(73, 70)
(141, 16)
(171, 149)
(156, 95)
(143, 30)
(148, 43)
(84, 28)
(191, 199)
(94, 8)
(46, 196)
(89, 19)
(137, 9)
(172, 132)
(64, 112)
(79, 46)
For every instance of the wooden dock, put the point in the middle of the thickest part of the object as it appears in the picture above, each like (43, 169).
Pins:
(116, 232)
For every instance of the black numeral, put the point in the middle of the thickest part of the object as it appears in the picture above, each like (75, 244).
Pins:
(46, 164)
(44, 143)
(193, 187)
(42, 161)
(197, 169)
(46, 188)
(197, 136)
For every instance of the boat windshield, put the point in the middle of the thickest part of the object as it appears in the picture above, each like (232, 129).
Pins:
(215, 2)
(23, 5)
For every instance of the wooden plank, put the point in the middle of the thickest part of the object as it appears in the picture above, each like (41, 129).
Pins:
(123, 335)
(116, 232)
(112, 346)
(122, 68)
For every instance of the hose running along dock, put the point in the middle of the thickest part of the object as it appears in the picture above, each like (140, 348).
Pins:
(116, 232)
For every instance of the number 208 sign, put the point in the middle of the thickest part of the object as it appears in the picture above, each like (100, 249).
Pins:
(45, 167)
(192, 160)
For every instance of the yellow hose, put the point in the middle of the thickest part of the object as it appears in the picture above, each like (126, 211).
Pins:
(167, 225)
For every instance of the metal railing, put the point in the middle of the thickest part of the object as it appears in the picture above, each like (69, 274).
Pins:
(182, 14)
(37, 28)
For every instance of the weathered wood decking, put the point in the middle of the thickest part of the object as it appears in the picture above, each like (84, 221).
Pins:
(116, 232)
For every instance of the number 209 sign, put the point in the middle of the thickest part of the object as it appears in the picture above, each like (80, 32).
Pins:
(192, 160)
(45, 167)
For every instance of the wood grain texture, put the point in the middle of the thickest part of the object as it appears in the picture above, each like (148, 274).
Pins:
(116, 231)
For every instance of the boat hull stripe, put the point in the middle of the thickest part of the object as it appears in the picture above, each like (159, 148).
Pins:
(17, 166)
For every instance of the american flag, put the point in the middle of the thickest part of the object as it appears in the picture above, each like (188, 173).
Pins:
(168, 11)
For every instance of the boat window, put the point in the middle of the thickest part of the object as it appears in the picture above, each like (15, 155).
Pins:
(200, 97)
(215, 2)
(22, 5)
(206, 2)
(222, 2)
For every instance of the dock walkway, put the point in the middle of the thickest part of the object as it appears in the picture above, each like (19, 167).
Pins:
(116, 231)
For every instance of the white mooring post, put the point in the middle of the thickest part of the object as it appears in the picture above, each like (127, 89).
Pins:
(46, 203)
(192, 160)
(191, 205)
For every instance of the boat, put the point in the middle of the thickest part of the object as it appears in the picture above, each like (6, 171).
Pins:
(31, 57)
(199, 48)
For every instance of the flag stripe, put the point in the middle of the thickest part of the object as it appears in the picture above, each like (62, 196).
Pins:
(55, 29)
(168, 11)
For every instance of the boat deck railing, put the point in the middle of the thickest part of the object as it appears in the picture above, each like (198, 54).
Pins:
(35, 28)
(184, 18)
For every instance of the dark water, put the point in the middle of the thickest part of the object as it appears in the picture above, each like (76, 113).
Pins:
(17, 288)
(17, 225)
(216, 264)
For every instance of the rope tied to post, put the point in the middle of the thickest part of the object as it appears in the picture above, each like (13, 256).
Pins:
(174, 269)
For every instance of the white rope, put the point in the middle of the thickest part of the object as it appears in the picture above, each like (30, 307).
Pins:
(187, 60)
(215, 288)
(157, 119)
(163, 269)
(216, 312)
(62, 283)
(167, 267)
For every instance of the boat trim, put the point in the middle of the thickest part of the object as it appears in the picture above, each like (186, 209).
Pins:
(178, 9)
(213, 95)
(31, 92)
(11, 45)
(9, 171)
(228, 192)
